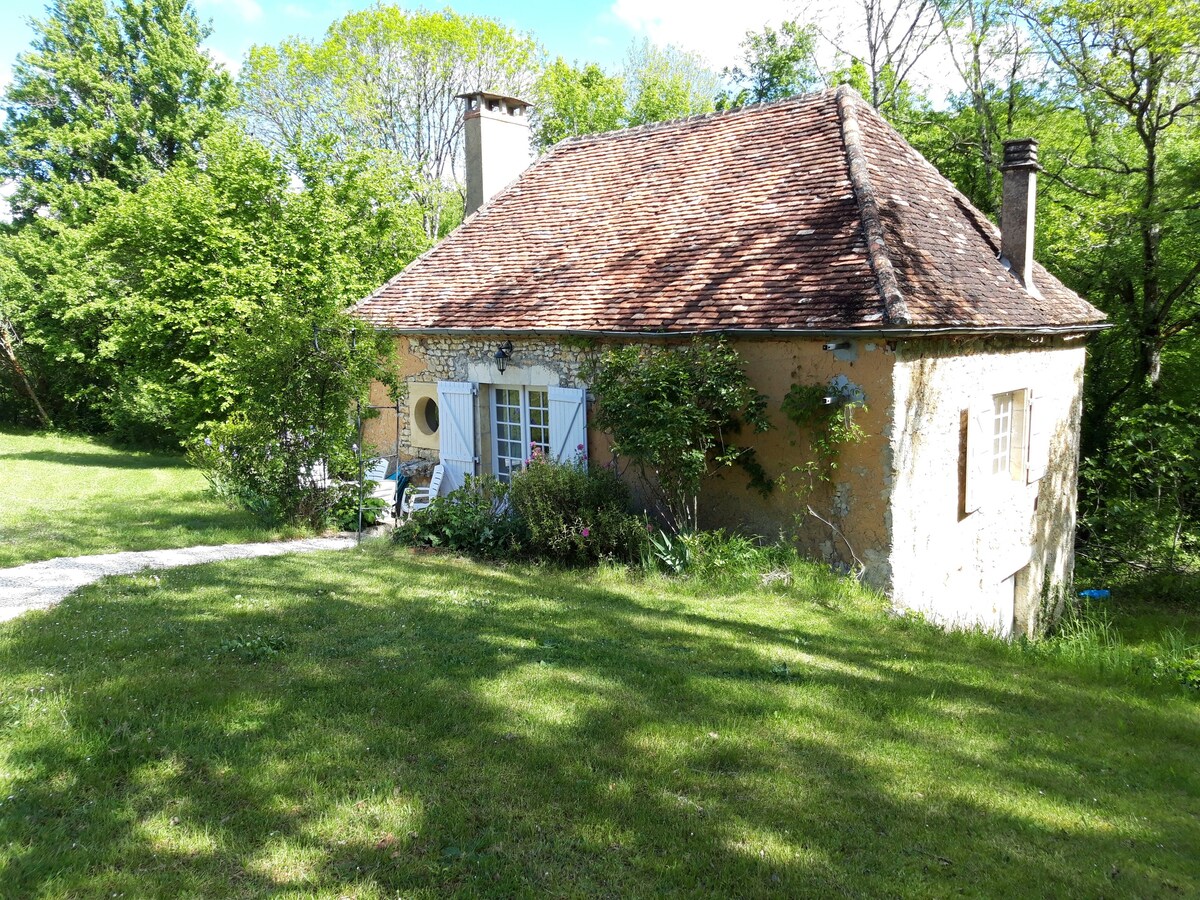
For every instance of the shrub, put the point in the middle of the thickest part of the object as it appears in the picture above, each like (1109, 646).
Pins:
(575, 514)
(254, 466)
(476, 518)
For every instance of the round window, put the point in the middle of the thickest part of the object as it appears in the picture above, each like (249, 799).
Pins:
(426, 415)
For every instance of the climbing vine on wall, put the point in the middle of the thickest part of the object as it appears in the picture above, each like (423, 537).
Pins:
(826, 413)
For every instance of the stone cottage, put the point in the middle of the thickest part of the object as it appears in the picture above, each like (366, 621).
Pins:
(828, 251)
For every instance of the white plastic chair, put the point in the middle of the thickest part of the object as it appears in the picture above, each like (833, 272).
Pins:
(376, 471)
(419, 498)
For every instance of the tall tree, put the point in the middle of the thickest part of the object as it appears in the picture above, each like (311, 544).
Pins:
(1133, 69)
(667, 83)
(383, 82)
(111, 92)
(775, 64)
(576, 100)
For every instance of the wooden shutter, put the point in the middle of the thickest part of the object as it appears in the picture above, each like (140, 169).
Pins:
(568, 422)
(979, 453)
(456, 412)
(1040, 430)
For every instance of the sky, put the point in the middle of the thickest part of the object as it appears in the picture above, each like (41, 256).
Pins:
(579, 30)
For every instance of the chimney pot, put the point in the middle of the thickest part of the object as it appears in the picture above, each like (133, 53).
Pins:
(1018, 208)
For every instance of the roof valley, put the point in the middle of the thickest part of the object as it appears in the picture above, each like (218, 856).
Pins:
(894, 304)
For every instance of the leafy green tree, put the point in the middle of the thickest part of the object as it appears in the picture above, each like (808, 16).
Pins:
(383, 84)
(573, 101)
(775, 65)
(666, 83)
(673, 412)
(1133, 70)
(110, 93)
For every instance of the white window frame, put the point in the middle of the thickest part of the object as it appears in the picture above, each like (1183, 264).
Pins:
(532, 433)
(1010, 427)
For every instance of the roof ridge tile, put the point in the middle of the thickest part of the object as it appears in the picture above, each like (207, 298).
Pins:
(894, 304)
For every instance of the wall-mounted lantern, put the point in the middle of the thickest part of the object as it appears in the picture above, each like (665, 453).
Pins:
(503, 354)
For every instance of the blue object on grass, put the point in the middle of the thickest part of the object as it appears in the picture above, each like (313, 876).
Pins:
(1096, 594)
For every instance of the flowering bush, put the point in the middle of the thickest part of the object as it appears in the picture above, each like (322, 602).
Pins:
(476, 518)
(573, 513)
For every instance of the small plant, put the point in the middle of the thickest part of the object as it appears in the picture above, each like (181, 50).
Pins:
(574, 513)
(674, 413)
(254, 647)
(345, 509)
(668, 552)
(826, 413)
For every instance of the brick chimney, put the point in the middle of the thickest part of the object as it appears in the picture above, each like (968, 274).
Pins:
(497, 136)
(1018, 207)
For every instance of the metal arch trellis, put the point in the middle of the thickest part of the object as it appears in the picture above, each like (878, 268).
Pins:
(358, 430)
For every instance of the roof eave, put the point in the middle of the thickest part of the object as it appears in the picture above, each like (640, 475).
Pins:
(883, 333)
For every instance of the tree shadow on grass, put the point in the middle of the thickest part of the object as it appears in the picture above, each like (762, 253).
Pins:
(103, 460)
(310, 724)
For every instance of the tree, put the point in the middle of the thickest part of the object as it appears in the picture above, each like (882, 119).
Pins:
(110, 93)
(1133, 69)
(383, 83)
(775, 65)
(674, 413)
(572, 101)
(666, 83)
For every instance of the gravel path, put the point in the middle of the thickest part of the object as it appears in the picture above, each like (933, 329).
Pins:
(40, 585)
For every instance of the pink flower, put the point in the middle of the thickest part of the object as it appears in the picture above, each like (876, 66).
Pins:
(586, 532)
(580, 447)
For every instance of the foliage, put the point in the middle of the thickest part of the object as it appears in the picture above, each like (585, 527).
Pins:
(673, 412)
(1133, 70)
(201, 276)
(667, 83)
(111, 92)
(292, 417)
(1140, 504)
(347, 507)
(477, 518)
(827, 416)
(575, 514)
(573, 101)
(775, 65)
(383, 84)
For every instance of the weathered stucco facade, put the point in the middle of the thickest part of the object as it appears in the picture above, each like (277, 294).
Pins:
(898, 499)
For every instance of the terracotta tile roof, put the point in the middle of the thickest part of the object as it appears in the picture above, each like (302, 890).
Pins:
(746, 220)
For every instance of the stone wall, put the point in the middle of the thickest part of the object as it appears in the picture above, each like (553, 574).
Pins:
(1013, 555)
(896, 500)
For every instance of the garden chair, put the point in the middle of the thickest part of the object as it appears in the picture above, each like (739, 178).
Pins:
(422, 497)
(376, 471)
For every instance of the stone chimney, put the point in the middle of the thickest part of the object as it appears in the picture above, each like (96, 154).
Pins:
(497, 140)
(1018, 207)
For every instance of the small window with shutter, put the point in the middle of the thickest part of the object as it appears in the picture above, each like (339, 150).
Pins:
(997, 445)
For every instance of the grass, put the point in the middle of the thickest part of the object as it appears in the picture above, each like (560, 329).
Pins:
(375, 723)
(70, 496)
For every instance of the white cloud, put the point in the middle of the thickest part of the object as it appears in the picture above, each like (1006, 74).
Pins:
(716, 34)
(711, 32)
(246, 10)
(231, 64)
(295, 11)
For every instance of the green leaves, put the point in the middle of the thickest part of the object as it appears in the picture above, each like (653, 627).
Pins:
(109, 92)
(672, 411)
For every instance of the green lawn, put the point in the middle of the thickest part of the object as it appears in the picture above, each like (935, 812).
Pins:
(373, 723)
(69, 496)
